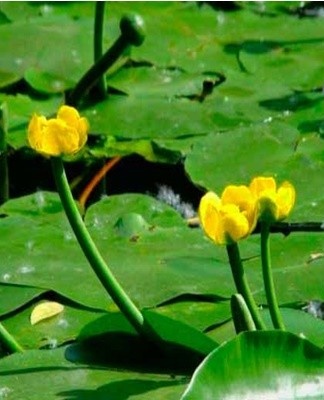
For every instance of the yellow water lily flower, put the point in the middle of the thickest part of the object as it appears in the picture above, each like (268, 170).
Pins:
(274, 204)
(64, 135)
(228, 218)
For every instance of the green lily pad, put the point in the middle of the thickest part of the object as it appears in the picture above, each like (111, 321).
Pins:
(20, 110)
(14, 297)
(272, 149)
(170, 337)
(196, 312)
(153, 266)
(271, 374)
(296, 259)
(52, 332)
(49, 371)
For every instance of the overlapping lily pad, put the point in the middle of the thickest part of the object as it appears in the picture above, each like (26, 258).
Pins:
(50, 372)
(260, 66)
(271, 149)
(263, 116)
(150, 255)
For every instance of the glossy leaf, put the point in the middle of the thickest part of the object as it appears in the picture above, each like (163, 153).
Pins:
(176, 344)
(270, 373)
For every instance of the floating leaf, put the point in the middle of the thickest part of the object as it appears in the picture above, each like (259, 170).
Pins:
(52, 373)
(255, 365)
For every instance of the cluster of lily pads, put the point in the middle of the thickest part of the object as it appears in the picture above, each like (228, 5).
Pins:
(123, 299)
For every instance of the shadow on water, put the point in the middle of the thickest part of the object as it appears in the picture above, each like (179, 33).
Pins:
(123, 389)
(292, 102)
(260, 47)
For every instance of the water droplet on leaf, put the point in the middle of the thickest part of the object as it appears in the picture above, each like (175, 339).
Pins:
(26, 269)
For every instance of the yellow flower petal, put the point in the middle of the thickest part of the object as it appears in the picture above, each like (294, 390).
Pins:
(236, 227)
(69, 115)
(35, 127)
(243, 198)
(63, 137)
(223, 223)
(66, 134)
(285, 199)
(260, 184)
(83, 128)
(273, 204)
(209, 214)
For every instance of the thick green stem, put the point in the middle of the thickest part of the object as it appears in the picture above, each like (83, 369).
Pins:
(97, 43)
(4, 179)
(242, 317)
(242, 285)
(9, 342)
(132, 34)
(269, 288)
(126, 306)
(96, 71)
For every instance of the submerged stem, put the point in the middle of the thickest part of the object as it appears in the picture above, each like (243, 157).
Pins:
(269, 288)
(242, 285)
(112, 286)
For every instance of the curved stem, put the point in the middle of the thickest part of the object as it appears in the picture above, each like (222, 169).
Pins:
(127, 307)
(97, 70)
(242, 285)
(268, 279)
(8, 341)
(96, 179)
(132, 33)
(97, 43)
(242, 317)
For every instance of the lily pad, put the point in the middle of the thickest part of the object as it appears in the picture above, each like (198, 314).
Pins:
(51, 373)
(271, 374)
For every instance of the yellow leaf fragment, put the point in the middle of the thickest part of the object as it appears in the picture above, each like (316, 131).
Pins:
(45, 310)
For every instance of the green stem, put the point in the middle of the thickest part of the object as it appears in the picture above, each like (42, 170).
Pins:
(4, 178)
(242, 285)
(96, 71)
(275, 314)
(132, 34)
(8, 341)
(97, 44)
(242, 317)
(126, 306)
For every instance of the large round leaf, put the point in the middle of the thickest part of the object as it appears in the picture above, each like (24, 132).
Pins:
(255, 366)
(271, 149)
